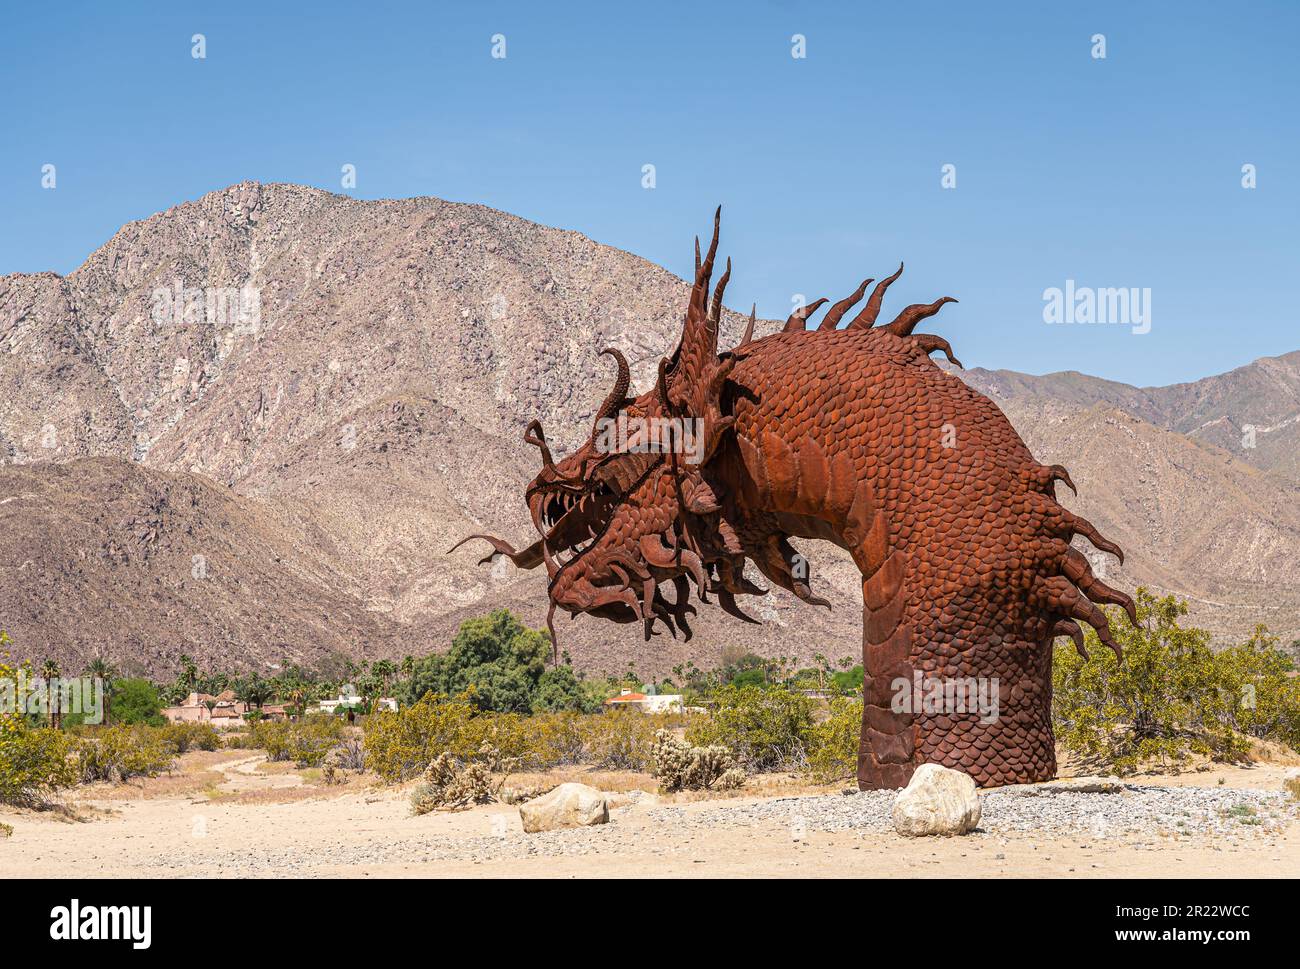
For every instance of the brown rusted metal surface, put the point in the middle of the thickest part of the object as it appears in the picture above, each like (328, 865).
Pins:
(852, 435)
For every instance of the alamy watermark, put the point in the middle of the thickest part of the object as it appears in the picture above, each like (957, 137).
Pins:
(656, 435)
(219, 306)
(926, 694)
(1120, 306)
(38, 696)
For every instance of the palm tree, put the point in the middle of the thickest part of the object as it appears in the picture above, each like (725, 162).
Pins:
(252, 690)
(50, 672)
(100, 669)
(210, 703)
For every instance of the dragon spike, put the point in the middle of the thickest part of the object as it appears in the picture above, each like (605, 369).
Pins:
(526, 558)
(906, 321)
(715, 312)
(867, 318)
(836, 312)
(799, 317)
(749, 327)
(929, 343)
(705, 270)
(1068, 627)
(618, 394)
(1058, 473)
(697, 256)
(1081, 526)
(1078, 571)
(728, 602)
(533, 435)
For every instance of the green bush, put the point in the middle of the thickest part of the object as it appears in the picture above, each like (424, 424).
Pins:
(305, 741)
(120, 752)
(136, 701)
(400, 745)
(833, 743)
(766, 728)
(1167, 701)
(34, 762)
(1262, 700)
(184, 737)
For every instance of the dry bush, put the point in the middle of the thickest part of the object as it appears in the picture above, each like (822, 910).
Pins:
(451, 784)
(681, 767)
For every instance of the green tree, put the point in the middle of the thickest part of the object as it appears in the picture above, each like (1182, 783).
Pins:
(252, 690)
(560, 690)
(496, 657)
(50, 673)
(137, 700)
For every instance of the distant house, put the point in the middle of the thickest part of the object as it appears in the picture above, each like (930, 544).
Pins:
(349, 698)
(222, 710)
(645, 703)
(226, 711)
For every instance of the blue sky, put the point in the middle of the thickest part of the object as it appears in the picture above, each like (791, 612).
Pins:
(1122, 172)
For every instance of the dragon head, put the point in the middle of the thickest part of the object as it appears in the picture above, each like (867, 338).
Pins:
(621, 515)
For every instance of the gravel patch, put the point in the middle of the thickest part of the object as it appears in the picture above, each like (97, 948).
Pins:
(1134, 814)
(1132, 810)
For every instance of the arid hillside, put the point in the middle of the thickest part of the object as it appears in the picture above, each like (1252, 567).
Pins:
(248, 428)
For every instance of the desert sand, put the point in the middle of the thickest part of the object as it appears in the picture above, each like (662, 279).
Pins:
(232, 814)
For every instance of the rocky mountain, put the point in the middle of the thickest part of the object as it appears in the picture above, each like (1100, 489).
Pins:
(248, 429)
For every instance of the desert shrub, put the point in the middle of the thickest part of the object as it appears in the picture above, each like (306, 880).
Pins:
(1167, 701)
(6, 830)
(558, 740)
(766, 728)
(34, 762)
(452, 784)
(1262, 700)
(305, 741)
(620, 740)
(401, 744)
(679, 766)
(184, 737)
(833, 743)
(120, 752)
(350, 754)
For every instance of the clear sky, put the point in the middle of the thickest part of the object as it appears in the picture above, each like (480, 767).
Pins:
(1117, 172)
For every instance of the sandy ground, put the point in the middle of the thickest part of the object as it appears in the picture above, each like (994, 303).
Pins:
(231, 814)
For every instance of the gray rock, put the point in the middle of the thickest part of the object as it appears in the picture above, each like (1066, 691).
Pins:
(568, 806)
(939, 800)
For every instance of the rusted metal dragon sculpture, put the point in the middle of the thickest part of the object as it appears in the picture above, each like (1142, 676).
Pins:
(850, 434)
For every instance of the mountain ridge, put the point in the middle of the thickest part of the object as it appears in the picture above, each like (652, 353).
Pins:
(370, 413)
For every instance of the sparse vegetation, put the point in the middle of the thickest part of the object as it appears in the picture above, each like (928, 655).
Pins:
(306, 742)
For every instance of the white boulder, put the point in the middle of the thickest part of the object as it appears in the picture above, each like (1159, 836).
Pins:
(568, 806)
(938, 800)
